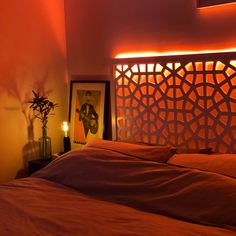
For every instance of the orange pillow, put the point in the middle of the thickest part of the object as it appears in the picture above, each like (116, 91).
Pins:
(146, 152)
(219, 163)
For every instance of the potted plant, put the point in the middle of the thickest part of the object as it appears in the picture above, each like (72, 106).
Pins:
(42, 109)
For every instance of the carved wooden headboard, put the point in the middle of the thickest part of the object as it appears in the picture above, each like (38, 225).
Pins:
(187, 101)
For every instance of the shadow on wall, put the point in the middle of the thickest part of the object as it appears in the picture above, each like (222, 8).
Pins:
(14, 87)
(32, 57)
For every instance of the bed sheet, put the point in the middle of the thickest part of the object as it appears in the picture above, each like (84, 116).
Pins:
(35, 206)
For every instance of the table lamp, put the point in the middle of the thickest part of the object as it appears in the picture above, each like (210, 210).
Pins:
(65, 128)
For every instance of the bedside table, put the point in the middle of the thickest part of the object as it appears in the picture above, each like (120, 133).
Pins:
(35, 165)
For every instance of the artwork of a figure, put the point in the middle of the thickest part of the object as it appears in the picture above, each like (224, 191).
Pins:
(88, 115)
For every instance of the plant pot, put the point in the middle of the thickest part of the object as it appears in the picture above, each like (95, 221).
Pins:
(45, 146)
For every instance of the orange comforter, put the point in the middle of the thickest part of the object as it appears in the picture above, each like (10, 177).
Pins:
(94, 191)
(34, 206)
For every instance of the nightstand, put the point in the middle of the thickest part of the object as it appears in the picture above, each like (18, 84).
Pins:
(35, 165)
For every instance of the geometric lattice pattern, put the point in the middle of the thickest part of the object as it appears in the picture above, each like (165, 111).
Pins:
(185, 101)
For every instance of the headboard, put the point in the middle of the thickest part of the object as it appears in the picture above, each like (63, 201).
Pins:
(187, 101)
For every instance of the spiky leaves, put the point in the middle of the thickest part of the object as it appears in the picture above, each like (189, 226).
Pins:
(42, 108)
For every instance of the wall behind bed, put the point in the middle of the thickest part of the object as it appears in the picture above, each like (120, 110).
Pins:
(98, 30)
(32, 56)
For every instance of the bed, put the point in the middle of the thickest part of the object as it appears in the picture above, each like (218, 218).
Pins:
(115, 188)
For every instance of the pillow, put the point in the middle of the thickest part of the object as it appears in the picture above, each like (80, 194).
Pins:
(219, 163)
(152, 153)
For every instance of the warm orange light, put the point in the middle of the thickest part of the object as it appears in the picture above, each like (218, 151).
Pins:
(65, 128)
(142, 67)
(178, 92)
(159, 68)
(150, 67)
(169, 53)
(233, 63)
(216, 5)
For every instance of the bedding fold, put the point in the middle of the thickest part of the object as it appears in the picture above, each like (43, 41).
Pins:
(34, 206)
(184, 193)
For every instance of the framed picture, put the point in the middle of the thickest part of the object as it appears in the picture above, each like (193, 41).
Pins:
(86, 111)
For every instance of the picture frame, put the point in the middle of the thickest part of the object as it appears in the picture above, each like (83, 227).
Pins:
(87, 117)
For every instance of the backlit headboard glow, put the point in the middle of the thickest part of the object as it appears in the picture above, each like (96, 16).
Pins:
(211, 3)
(187, 101)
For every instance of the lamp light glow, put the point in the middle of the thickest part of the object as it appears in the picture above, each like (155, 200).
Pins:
(65, 128)
(66, 140)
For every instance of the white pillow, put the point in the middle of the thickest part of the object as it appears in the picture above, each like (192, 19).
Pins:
(147, 152)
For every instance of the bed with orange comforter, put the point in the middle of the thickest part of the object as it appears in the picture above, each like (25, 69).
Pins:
(105, 190)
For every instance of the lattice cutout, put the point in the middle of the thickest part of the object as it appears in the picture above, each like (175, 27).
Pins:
(187, 101)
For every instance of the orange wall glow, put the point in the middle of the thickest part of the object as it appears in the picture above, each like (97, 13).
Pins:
(99, 31)
(32, 56)
(213, 3)
(171, 53)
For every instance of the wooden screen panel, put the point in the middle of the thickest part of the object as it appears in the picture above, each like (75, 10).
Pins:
(185, 101)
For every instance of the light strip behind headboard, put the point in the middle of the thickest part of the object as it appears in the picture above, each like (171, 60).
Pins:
(187, 101)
